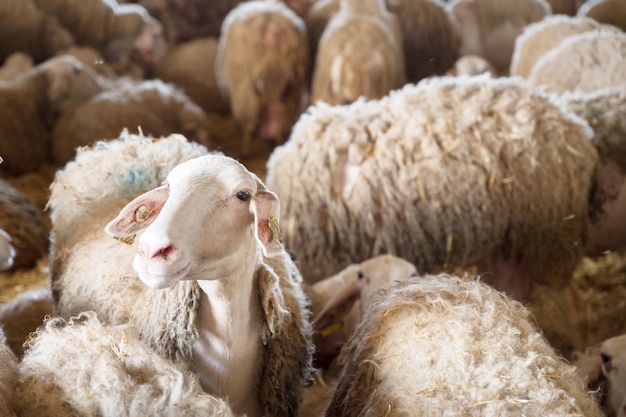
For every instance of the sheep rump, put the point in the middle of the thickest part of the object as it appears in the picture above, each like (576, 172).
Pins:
(365, 158)
(444, 343)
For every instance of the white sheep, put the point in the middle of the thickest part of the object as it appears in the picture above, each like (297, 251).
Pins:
(540, 37)
(612, 12)
(82, 367)
(585, 62)
(236, 316)
(448, 346)
(124, 33)
(8, 378)
(451, 172)
(261, 68)
(31, 104)
(151, 106)
(489, 27)
(359, 54)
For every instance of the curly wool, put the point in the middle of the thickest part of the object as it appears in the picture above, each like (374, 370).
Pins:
(438, 173)
(442, 345)
(83, 367)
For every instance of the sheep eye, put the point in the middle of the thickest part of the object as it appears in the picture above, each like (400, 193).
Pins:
(605, 358)
(359, 275)
(243, 195)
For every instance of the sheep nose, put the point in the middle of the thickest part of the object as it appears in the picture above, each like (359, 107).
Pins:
(164, 251)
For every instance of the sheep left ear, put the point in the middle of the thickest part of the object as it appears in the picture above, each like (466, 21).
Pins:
(266, 209)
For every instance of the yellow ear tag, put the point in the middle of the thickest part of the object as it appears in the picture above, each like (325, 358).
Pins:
(141, 214)
(273, 225)
(333, 328)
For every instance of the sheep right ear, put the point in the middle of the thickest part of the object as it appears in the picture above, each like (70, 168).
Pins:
(329, 319)
(138, 214)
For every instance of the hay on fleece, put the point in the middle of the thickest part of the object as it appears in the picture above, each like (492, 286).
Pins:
(584, 63)
(437, 173)
(449, 346)
(82, 367)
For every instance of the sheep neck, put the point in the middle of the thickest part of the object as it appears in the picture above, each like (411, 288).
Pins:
(227, 352)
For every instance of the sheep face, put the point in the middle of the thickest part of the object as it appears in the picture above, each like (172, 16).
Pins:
(613, 354)
(200, 223)
(69, 82)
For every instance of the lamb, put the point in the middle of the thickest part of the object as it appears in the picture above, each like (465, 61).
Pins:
(444, 343)
(338, 302)
(586, 62)
(152, 106)
(269, 341)
(31, 104)
(23, 225)
(540, 37)
(481, 190)
(125, 34)
(261, 66)
(111, 373)
(489, 27)
(359, 54)
(29, 30)
(191, 66)
(611, 12)
(8, 378)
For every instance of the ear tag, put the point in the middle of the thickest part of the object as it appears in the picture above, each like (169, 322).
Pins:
(273, 225)
(141, 214)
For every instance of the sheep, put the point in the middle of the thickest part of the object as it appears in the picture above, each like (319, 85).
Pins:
(604, 111)
(430, 39)
(471, 65)
(489, 27)
(337, 302)
(261, 66)
(82, 367)
(23, 224)
(540, 37)
(359, 54)
(612, 12)
(586, 62)
(15, 64)
(191, 66)
(446, 345)
(28, 29)
(91, 57)
(152, 106)
(459, 182)
(125, 34)
(31, 104)
(176, 321)
(8, 378)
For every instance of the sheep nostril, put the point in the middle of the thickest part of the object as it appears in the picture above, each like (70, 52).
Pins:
(160, 251)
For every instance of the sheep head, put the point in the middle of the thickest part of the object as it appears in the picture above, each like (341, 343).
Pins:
(209, 217)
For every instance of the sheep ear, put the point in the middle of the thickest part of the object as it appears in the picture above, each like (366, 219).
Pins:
(329, 319)
(138, 214)
(266, 209)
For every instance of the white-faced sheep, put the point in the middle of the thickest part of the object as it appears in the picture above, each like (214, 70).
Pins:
(8, 378)
(337, 302)
(612, 12)
(453, 171)
(28, 29)
(31, 104)
(261, 67)
(540, 37)
(236, 316)
(23, 222)
(359, 54)
(82, 367)
(586, 62)
(191, 66)
(150, 106)
(125, 34)
(448, 346)
(489, 27)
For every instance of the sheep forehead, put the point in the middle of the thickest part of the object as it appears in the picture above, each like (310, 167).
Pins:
(223, 174)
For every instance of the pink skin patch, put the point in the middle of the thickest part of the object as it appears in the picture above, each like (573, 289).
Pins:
(270, 123)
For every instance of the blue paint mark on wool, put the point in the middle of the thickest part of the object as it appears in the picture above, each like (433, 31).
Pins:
(136, 178)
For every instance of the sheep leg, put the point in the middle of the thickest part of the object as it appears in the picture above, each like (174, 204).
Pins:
(505, 275)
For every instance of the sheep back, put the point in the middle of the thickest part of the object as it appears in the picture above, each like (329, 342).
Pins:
(82, 366)
(437, 173)
(453, 345)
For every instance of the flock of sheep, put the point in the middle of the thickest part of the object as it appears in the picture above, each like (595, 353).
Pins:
(431, 169)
